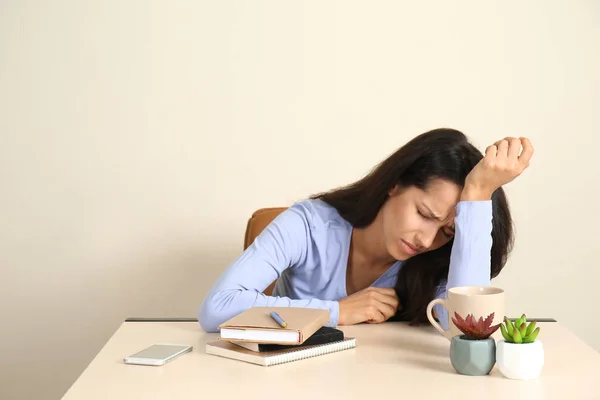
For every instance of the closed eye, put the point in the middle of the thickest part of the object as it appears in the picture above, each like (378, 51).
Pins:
(446, 230)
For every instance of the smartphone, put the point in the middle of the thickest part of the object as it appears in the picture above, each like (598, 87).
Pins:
(158, 354)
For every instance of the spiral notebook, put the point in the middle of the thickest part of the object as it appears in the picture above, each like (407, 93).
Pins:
(229, 350)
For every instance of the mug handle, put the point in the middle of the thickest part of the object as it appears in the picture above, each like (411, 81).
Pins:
(433, 322)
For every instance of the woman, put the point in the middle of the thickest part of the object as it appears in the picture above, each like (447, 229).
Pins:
(430, 217)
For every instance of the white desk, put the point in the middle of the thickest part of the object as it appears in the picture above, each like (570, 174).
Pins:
(391, 361)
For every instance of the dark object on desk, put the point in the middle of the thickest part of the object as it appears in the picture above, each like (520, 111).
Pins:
(322, 336)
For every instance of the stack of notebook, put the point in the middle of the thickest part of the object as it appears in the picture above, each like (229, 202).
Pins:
(257, 336)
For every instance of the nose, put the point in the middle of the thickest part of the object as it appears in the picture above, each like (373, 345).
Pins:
(425, 238)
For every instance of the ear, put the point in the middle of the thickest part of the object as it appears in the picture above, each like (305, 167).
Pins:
(394, 190)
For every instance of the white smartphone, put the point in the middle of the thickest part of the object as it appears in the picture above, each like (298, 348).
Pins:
(158, 354)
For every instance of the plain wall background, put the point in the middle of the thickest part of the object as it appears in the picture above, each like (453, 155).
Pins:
(136, 138)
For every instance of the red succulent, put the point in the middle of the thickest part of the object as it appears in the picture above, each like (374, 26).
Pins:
(475, 328)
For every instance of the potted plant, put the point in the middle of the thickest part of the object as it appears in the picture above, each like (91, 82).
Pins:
(473, 353)
(520, 355)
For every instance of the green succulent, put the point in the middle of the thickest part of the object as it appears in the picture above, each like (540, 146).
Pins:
(519, 331)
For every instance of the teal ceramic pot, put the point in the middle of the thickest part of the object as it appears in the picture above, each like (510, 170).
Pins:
(471, 356)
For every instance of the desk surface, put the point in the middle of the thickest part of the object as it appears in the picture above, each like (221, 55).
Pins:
(392, 360)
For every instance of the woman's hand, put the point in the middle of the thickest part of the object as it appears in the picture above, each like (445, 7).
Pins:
(373, 305)
(503, 162)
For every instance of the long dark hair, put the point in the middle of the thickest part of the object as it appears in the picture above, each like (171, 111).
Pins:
(440, 153)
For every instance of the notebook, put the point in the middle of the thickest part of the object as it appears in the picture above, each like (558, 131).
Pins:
(233, 351)
(324, 335)
(256, 325)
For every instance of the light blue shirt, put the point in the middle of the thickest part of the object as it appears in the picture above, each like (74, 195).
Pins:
(306, 249)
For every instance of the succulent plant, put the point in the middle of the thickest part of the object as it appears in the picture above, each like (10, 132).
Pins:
(475, 328)
(519, 331)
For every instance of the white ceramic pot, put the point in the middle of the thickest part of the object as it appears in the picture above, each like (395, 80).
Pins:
(520, 361)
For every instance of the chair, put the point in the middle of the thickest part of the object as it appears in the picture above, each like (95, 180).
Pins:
(257, 222)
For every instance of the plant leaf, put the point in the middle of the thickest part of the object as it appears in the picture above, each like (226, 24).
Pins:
(488, 321)
(509, 326)
(507, 337)
(479, 325)
(523, 329)
(531, 338)
(530, 328)
(469, 320)
(460, 324)
(490, 331)
(460, 319)
(457, 324)
(517, 336)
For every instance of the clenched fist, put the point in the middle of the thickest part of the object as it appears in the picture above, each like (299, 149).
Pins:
(372, 305)
(503, 162)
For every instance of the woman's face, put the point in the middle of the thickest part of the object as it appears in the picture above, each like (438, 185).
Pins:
(415, 220)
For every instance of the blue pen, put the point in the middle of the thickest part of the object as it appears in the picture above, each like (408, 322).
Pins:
(279, 320)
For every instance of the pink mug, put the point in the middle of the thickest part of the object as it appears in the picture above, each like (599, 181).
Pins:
(480, 301)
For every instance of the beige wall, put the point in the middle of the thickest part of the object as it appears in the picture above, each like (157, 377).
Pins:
(138, 136)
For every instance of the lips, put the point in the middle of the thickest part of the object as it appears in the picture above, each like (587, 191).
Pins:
(408, 247)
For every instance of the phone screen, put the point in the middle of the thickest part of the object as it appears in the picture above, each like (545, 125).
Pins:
(159, 351)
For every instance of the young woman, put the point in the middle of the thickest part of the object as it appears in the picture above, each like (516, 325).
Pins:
(430, 217)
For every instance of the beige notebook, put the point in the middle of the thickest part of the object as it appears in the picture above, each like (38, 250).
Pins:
(256, 325)
(268, 358)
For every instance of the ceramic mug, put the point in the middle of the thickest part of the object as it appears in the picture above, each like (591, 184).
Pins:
(480, 301)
